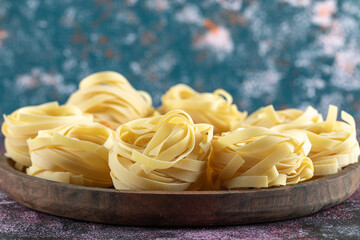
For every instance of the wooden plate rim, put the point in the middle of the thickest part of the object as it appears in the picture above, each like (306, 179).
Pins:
(177, 208)
(5, 163)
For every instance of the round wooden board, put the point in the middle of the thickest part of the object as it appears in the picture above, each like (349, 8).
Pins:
(191, 208)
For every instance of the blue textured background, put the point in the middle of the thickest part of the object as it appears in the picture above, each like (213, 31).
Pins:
(289, 53)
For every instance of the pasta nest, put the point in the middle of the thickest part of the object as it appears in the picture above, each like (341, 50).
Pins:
(292, 118)
(166, 152)
(259, 157)
(25, 123)
(334, 143)
(111, 99)
(72, 154)
(215, 108)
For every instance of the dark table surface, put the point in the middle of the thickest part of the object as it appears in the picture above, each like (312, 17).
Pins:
(339, 222)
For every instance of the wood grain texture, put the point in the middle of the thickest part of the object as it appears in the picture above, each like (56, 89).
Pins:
(158, 208)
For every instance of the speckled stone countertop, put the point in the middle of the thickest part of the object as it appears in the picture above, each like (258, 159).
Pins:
(339, 222)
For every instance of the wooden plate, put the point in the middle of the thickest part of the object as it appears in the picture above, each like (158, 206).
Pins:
(159, 208)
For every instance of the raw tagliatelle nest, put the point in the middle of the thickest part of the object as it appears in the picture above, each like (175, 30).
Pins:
(26, 122)
(72, 154)
(166, 152)
(259, 157)
(215, 108)
(333, 143)
(111, 99)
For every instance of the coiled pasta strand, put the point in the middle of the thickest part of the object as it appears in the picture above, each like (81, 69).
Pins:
(165, 152)
(111, 99)
(25, 123)
(215, 108)
(72, 154)
(259, 157)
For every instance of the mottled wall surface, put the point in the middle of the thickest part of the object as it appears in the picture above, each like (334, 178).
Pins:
(290, 53)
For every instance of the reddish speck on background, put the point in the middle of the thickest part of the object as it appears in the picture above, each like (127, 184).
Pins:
(323, 12)
(212, 27)
(103, 39)
(148, 38)
(3, 35)
(235, 18)
(109, 53)
(216, 40)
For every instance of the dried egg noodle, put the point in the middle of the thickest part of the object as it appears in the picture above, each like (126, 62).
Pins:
(72, 154)
(268, 117)
(213, 108)
(165, 152)
(334, 143)
(259, 157)
(111, 99)
(25, 123)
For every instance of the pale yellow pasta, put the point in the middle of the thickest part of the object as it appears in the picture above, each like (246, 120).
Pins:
(72, 154)
(111, 99)
(166, 152)
(25, 123)
(215, 108)
(334, 143)
(292, 118)
(258, 157)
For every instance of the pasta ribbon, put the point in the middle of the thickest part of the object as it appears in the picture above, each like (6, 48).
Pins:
(215, 108)
(258, 157)
(25, 123)
(72, 154)
(334, 143)
(282, 119)
(165, 152)
(111, 99)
